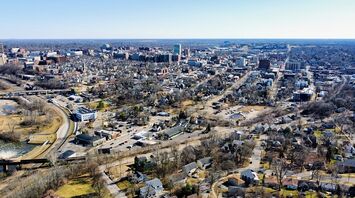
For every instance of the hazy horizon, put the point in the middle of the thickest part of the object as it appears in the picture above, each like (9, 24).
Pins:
(183, 19)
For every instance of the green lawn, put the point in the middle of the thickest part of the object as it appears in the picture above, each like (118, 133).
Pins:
(311, 194)
(288, 193)
(76, 187)
(318, 134)
(266, 165)
(123, 185)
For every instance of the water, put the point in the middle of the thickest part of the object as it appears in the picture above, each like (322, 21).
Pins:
(9, 108)
(9, 150)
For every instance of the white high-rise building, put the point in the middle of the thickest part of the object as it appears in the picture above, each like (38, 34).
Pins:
(3, 59)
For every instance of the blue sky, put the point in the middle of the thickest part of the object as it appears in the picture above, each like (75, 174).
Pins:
(177, 19)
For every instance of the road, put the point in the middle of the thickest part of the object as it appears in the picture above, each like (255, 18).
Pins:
(306, 175)
(207, 105)
(255, 159)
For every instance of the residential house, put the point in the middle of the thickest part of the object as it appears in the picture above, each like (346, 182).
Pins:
(152, 188)
(347, 166)
(271, 182)
(138, 177)
(177, 179)
(190, 169)
(349, 150)
(204, 163)
(328, 187)
(290, 183)
(249, 176)
(236, 191)
(306, 185)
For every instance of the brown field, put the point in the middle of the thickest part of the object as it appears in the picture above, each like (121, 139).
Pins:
(250, 108)
(40, 132)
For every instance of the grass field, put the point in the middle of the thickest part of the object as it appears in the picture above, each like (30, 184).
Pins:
(311, 195)
(318, 134)
(76, 187)
(95, 105)
(118, 171)
(124, 185)
(288, 193)
(46, 130)
(247, 109)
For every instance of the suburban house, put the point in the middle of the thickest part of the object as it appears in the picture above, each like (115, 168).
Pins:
(249, 176)
(236, 191)
(347, 166)
(306, 185)
(190, 169)
(204, 163)
(290, 183)
(152, 188)
(177, 179)
(328, 187)
(85, 114)
(271, 182)
(138, 177)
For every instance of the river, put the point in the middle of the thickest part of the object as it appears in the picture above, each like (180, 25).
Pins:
(10, 150)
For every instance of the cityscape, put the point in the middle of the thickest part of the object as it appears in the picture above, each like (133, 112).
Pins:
(101, 111)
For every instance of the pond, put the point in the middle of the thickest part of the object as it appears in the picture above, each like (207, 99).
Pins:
(7, 107)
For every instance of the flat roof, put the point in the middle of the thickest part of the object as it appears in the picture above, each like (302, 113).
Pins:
(83, 110)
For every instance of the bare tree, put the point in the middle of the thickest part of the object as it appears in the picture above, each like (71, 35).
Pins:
(98, 185)
(188, 155)
(279, 167)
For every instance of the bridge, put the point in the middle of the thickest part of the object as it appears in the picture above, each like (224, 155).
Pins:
(33, 92)
(6, 163)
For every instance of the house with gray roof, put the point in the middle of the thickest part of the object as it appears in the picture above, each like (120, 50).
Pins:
(204, 163)
(190, 169)
(152, 188)
(249, 176)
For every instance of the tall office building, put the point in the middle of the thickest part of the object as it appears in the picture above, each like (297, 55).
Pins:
(1, 48)
(187, 53)
(3, 59)
(241, 62)
(293, 66)
(264, 64)
(177, 49)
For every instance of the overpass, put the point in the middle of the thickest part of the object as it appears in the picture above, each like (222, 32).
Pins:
(6, 163)
(33, 92)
